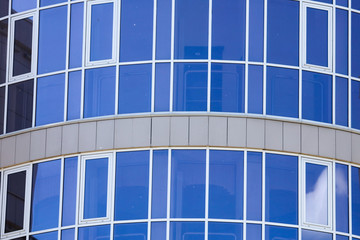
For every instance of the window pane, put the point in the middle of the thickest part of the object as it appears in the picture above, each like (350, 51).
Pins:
(50, 2)
(188, 184)
(52, 39)
(311, 235)
(45, 195)
(253, 232)
(68, 234)
(341, 102)
(22, 5)
(227, 87)
(225, 231)
(3, 48)
(228, 29)
(339, 237)
(4, 8)
(69, 191)
(187, 231)
(159, 184)
(94, 232)
(355, 43)
(74, 95)
(130, 231)
(254, 186)
(277, 233)
(342, 41)
(355, 191)
(343, 3)
(76, 35)
(2, 109)
(50, 99)
(255, 89)
(226, 187)
(158, 230)
(355, 104)
(162, 87)
(191, 29)
(45, 236)
(325, 1)
(342, 198)
(256, 30)
(355, 4)
(163, 29)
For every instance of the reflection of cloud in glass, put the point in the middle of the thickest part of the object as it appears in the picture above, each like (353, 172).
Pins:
(341, 182)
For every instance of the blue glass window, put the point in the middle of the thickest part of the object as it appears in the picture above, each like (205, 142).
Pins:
(281, 188)
(159, 182)
(3, 47)
(95, 232)
(4, 8)
(190, 86)
(343, 3)
(254, 186)
(255, 89)
(341, 101)
(355, 4)
(228, 29)
(74, 95)
(50, 99)
(158, 230)
(355, 104)
(162, 87)
(355, 43)
(187, 231)
(45, 236)
(99, 99)
(50, 2)
(311, 235)
(52, 39)
(225, 231)
(188, 184)
(227, 87)
(130, 231)
(317, 97)
(275, 232)
(256, 30)
(253, 232)
(342, 198)
(163, 29)
(342, 41)
(325, 1)
(282, 92)
(135, 88)
(69, 192)
(226, 191)
(76, 35)
(355, 191)
(68, 234)
(22, 5)
(191, 29)
(339, 237)
(136, 30)
(45, 197)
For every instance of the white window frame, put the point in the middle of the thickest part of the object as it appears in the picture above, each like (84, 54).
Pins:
(113, 59)
(330, 180)
(329, 10)
(28, 170)
(30, 74)
(109, 202)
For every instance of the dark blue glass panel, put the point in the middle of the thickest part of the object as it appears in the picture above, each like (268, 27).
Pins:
(343, 3)
(3, 47)
(45, 236)
(355, 44)
(130, 231)
(342, 198)
(191, 29)
(355, 191)
(135, 88)
(99, 99)
(226, 187)
(45, 195)
(76, 35)
(96, 184)
(50, 98)
(227, 87)
(162, 87)
(317, 97)
(52, 39)
(2, 109)
(190, 86)
(4, 8)
(163, 29)
(325, 1)
(22, 50)
(22, 5)
(68, 234)
(311, 235)
(281, 189)
(228, 29)
(187, 231)
(50, 2)
(339, 237)
(254, 186)
(101, 37)
(94, 232)
(253, 232)
(158, 230)
(277, 233)
(69, 192)
(283, 32)
(225, 231)
(282, 92)
(341, 41)
(159, 184)
(256, 30)
(188, 184)
(255, 89)
(355, 4)
(74, 95)
(341, 101)
(132, 185)
(136, 30)
(355, 104)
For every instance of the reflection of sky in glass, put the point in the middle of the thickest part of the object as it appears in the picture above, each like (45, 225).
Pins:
(22, 5)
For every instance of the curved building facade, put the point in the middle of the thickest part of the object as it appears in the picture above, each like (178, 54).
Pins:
(180, 119)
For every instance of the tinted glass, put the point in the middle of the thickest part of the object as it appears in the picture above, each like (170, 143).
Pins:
(355, 44)
(135, 88)
(163, 29)
(22, 54)
(343, 3)
(355, 104)
(227, 87)
(74, 95)
(45, 236)
(69, 191)
(341, 41)
(254, 186)
(94, 232)
(136, 30)
(342, 198)
(275, 233)
(76, 36)
(2, 109)
(68, 234)
(158, 230)
(188, 184)
(162, 87)
(355, 4)
(4, 8)
(191, 29)
(256, 30)
(159, 184)
(3, 48)
(311, 235)
(187, 230)
(50, 2)
(341, 101)
(22, 5)
(45, 197)
(52, 39)
(355, 191)
(130, 231)
(225, 231)
(255, 89)
(50, 99)
(325, 1)
(253, 232)
(339, 237)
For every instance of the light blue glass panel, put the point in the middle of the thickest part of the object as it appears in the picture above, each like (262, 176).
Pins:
(343, 3)
(135, 88)
(311, 235)
(253, 231)
(69, 192)
(226, 187)
(163, 29)
(254, 186)
(190, 86)
(159, 184)
(342, 197)
(68, 234)
(136, 30)
(228, 29)
(281, 188)
(52, 39)
(256, 30)
(162, 87)
(283, 32)
(45, 195)
(74, 95)
(341, 101)
(191, 29)
(255, 89)
(99, 99)
(158, 230)
(95, 232)
(45, 236)
(76, 35)
(355, 191)
(101, 37)
(339, 237)
(22, 5)
(282, 92)
(227, 87)
(225, 231)
(355, 104)
(355, 4)
(132, 185)
(280, 233)
(187, 231)
(131, 231)
(188, 184)
(355, 43)
(342, 41)
(96, 184)
(44, 3)
(317, 97)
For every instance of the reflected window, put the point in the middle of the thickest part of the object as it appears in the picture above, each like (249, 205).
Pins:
(225, 231)
(44, 236)
(311, 235)
(131, 231)
(94, 232)
(342, 197)
(22, 5)
(355, 200)
(187, 230)
(158, 230)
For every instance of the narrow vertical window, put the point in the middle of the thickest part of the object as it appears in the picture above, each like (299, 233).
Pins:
(3, 48)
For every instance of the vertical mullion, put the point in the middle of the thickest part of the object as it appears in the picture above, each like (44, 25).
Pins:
(247, 38)
(302, 51)
(117, 8)
(333, 55)
(78, 188)
(151, 158)
(172, 54)
(263, 195)
(350, 198)
(168, 196)
(265, 57)
(67, 60)
(153, 58)
(61, 195)
(85, 42)
(206, 231)
(209, 57)
(245, 195)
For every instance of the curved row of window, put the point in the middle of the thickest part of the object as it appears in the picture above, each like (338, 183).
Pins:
(177, 194)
